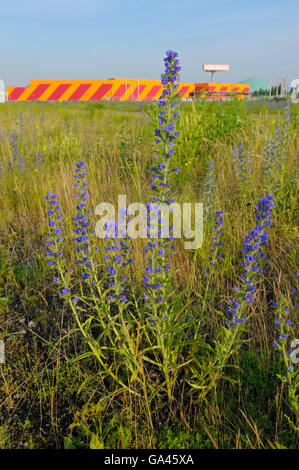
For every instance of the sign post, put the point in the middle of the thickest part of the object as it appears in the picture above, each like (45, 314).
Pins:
(215, 68)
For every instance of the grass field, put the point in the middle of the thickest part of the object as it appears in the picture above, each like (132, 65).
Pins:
(83, 371)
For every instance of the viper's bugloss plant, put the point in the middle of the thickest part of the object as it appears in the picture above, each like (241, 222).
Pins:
(253, 251)
(55, 244)
(117, 258)
(91, 308)
(274, 154)
(229, 339)
(158, 295)
(38, 161)
(166, 134)
(209, 189)
(82, 222)
(216, 241)
(158, 252)
(18, 160)
(242, 163)
(55, 238)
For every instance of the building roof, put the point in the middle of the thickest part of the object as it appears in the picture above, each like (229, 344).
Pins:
(257, 84)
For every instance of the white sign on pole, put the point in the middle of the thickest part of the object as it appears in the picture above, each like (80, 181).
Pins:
(216, 67)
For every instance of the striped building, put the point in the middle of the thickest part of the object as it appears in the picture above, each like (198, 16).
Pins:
(117, 89)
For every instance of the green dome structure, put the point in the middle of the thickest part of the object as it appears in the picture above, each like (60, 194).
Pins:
(257, 84)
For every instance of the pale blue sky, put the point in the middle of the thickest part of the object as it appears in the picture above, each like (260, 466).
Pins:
(98, 39)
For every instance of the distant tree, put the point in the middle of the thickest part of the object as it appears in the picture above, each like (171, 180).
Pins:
(261, 92)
